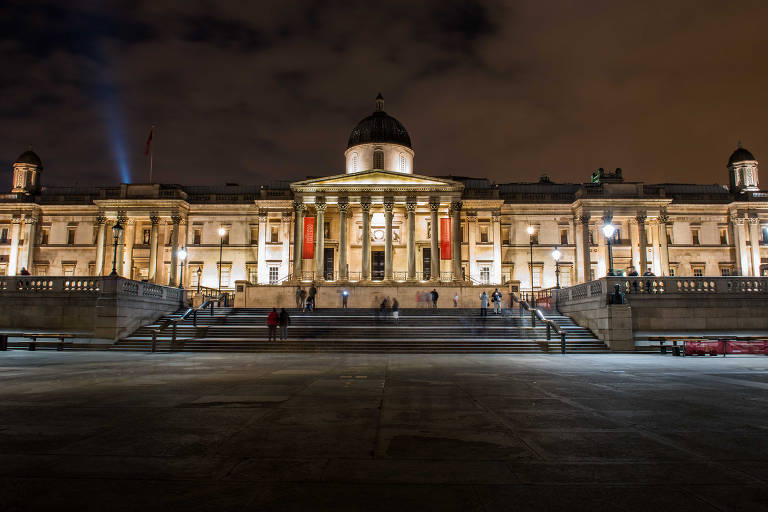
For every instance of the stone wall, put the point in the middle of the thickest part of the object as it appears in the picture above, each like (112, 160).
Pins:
(105, 308)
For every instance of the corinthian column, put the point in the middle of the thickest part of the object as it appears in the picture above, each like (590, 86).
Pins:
(754, 240)
(100, 234)
(456, 240)
(410, 207)
(153, 241)
(365, 206)
(740, 241)
(123, 220)
(343, 208)
(130, 236)
(30, 223)
(642, 243)
(496, 218)
(434, 272)
(663, 245)
(298, 238)
(389, 206)
(13, 258)
(174, 249)
(320, 238)
(586, 264)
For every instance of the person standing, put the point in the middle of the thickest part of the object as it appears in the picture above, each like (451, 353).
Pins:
(313, 295)
(456, 300)
(284, 321)
(435, 296)
(24, 271)
(395, 310)
(344, 297)
(483, 304)
(272, 319)
(300, 297)
(496, 299)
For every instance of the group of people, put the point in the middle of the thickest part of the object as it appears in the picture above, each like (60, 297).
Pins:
(306, 300)
(384, 307)
(427, 298)
(495, 299)
(275, 320)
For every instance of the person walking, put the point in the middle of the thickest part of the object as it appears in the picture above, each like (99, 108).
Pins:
(456, 300)
(435, 296)
(496, 299)
(313, 295)
(300, 293)
(395, 310)
(383, 309)
(483, 304)
(284, 321)
(344, 297)
(272, 319)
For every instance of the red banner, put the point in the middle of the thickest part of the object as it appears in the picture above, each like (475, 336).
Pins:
(308, 250)
(445, 238)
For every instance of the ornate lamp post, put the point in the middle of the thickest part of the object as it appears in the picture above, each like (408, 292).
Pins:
(222, 232)
(199, 273)
(117, 230)
(531, 230)
(608, 230)
(556, 255)
(182, 256)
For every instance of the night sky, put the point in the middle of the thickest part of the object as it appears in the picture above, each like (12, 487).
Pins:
(252, 91)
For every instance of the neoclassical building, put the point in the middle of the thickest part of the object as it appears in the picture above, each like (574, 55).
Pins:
(379, 221)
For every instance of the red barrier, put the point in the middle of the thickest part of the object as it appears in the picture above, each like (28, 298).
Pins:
(747, 347)
(716, 347)
(703, 348)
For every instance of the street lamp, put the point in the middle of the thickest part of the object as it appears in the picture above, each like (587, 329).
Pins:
(531, 230)
(222, 232)
(117, 230)
(608, 230)
(556, 255)
(182, 256)
(199, 273)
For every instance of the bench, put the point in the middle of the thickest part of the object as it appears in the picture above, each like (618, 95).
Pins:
(34, 336)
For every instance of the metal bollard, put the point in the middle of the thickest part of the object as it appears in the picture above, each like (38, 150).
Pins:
(173, 336)
(194, 318)
(211, 308)
(562, 342)
(3, 342)
(533, 318)
(549, 332)
(154, 341)
(33, 345)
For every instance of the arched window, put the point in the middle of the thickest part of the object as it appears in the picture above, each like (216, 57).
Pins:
(402, 163)
(378, 159)
(354, 165)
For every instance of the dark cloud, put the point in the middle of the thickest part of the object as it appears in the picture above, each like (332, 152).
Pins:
(247, 92)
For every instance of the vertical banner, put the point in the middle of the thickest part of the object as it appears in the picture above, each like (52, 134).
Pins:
(445, 238)
(308, 249)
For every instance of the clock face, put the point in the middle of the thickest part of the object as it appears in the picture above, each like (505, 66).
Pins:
(378, 234)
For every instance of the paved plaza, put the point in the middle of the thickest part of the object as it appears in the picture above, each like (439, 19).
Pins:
(131, 431)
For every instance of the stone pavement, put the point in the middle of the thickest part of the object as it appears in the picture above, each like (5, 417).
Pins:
(186, 432)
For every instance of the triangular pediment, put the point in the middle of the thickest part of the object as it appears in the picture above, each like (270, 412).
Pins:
(375, 181)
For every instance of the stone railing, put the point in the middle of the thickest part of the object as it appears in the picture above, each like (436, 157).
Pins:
(85, 285)
(666, 286)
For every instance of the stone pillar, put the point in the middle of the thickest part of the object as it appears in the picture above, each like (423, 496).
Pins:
(173, 279)
(654, 230)
(410, 207)
(434, 206)
(30, 234)
(285, 239)
(472, 244)
(118, 263)
(663, 246)
(319, 238)
(101, 221)
(153, 243)
(13, 258)
(754, 240)
(130, 236)
(298, 238)
(586, 263)
(642, 239)
(577, 254)
(343, 268)
(456, 239)
(389, 206)
(740, 243)
(262, 274)
(496, 219)
(365, 206)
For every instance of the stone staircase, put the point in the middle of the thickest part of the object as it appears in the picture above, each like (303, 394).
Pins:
(360, 330)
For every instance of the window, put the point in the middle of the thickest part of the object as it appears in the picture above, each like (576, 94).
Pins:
(41, 270)
(273, 275)
(354, 165)
(535, 237)
(44, 234)
(254, 235)
(193, 279)
(464, 233)
(327, 230)
(695, 236)
(648, 237)
(197, 236)
(485, 274)
(71, 236)
(274, 234)
(723, 236)
(91, 268)
(4, 236)
(591, 237)
(537, 269)
(401, 159)
(68, 269)
(378, 159)
(253, 273)
(592, 272)
(698, 270)
(226, 273)
(726, 270)
(565, 275)
(672, 270)
(146, 234)
(507, 273)
(765, 234)
(505, 236)
(3, 269)
(170, 235)
(563, 236)
(483, 233)
(669, 235)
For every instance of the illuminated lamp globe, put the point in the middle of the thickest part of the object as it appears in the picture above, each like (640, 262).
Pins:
(609, 230)
(530, 230)
(222, 231)
(556, 254)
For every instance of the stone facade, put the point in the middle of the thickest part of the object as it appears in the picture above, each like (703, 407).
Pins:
(378, 220)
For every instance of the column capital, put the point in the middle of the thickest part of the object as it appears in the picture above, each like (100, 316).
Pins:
(389, 205)
(496, 216)
(410, 206)
(16, 220)
(365, 204)
(122, 218)
(584, 219)
(298, 206)
(471, 215)
(29, 219)
(287, 216)
(176, 218)
(434, 204)
(754, 220)
(154, 219)
(100, 219)
(737, 220)
(456, 206)
(663, 218)
(641, 218)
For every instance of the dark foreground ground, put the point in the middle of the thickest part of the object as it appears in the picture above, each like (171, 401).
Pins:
(184, 432)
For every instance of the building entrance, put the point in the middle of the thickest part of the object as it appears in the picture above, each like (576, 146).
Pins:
(426, 262)
(377, 265)
(328, 264)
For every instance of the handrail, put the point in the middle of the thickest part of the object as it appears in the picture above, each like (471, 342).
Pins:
(551, 325)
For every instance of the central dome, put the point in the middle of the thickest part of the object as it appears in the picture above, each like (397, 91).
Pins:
(379, 127)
